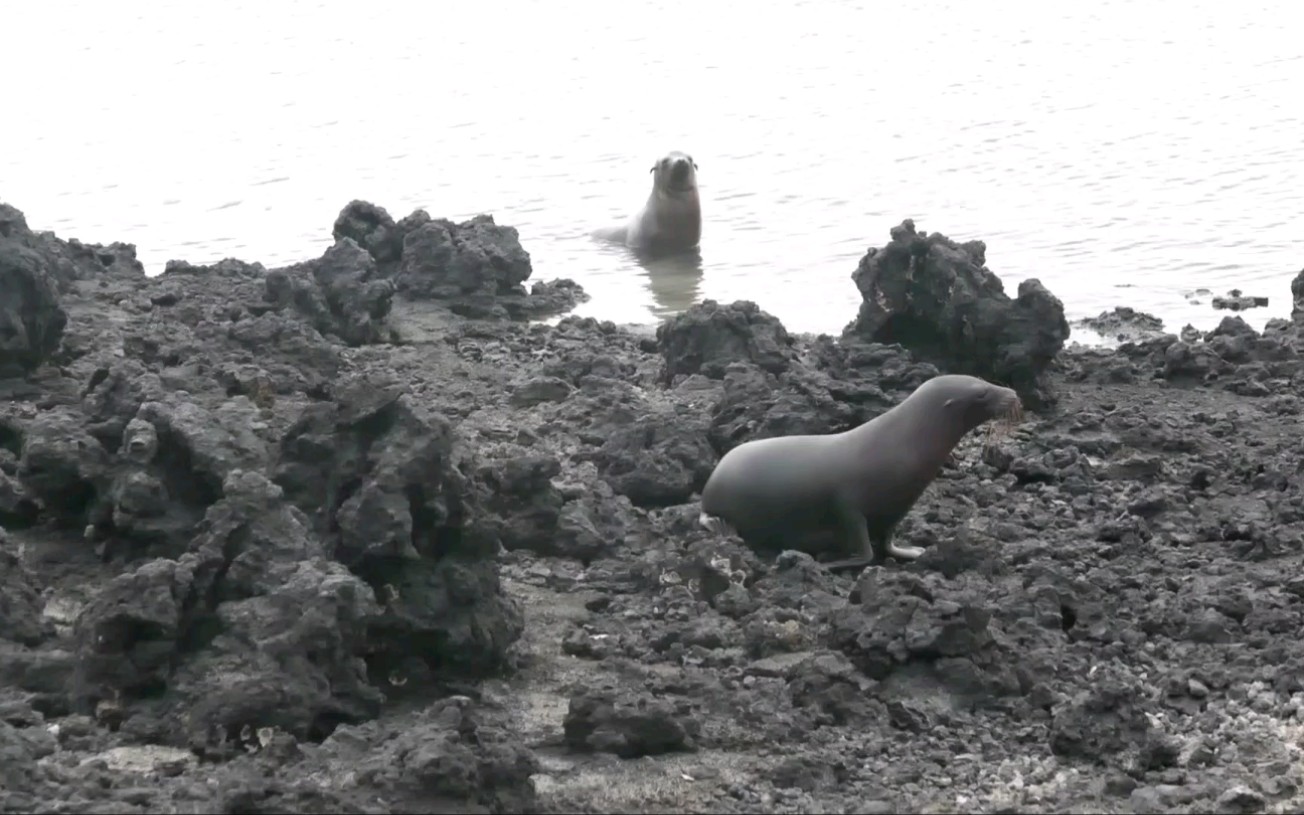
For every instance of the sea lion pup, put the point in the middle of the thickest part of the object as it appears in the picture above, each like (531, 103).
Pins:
(856, 486)
(671, 218)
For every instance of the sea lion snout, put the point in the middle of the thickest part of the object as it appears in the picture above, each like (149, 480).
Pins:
(1010, 404)
(676, 171)
(999, 402)
(974, 400)
(683, 175)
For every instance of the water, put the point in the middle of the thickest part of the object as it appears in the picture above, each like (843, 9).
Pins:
(1123, 153)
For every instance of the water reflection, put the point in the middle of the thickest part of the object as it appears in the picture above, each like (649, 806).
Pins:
(675, 281)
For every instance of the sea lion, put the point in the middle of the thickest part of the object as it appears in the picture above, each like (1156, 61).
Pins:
(671, 219)
(855, 486)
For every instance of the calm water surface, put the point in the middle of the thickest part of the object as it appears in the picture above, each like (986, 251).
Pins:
(1124, 153)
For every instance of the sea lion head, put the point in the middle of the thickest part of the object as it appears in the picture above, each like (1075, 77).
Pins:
(972, 401)
(675, 172)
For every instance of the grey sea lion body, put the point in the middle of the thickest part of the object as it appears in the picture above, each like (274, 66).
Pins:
(853, 487)
(670, 220)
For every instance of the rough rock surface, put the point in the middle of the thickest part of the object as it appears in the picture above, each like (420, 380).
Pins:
(937, 298)
(271, 546)
(476, 268)
(706, 339)
(31, 318)
(1124, 324)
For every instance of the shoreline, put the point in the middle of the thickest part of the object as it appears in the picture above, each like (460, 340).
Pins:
(361, 534)
(1083, 328)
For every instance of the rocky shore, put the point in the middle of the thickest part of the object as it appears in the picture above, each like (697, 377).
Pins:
(362, 535)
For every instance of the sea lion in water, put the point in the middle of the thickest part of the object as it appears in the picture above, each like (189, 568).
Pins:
(856, 485)
(671, 218)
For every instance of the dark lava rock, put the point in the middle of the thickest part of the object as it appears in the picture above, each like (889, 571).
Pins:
(658, 460)
(443, 260)
(69, 261)
(173, 458)
(342, 293)
(628, 725)
(20, 750)
(1105, 724)
(852, 382)
(236, 534)
(20, 599)
(476, 268)
(1233, 356)
(447, 756)
(708, 337)
(266, 550)
(525, 510)
(522, 504)
(372, 228)
(832, 685)
(1297, 298)
(12, 221)
(938, 299)
(62, 465)
(1124, 324)
(897, 620)
(282, 629)
(1241, 799)
(755, 404)
(1234, 300)
(18, 510)
(377, 474)
(31, 319)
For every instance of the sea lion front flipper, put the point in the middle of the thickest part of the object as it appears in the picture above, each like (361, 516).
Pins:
(855, 538)
(854, 530)
(901, 552)
(877, 550)
(886, 547)
(905, 553)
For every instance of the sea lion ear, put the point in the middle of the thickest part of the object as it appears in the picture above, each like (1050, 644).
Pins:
(652, 169)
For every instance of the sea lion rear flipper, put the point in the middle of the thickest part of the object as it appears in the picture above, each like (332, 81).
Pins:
(854, 531)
